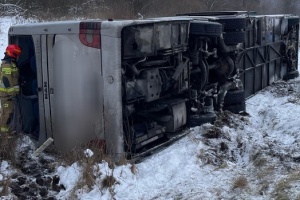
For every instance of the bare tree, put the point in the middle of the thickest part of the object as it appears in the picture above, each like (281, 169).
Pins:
(214, 4)
(289, 6)
(251, 4)
(11, 9)
(131, 9)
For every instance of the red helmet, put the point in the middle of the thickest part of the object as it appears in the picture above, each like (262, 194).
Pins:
(13, 50)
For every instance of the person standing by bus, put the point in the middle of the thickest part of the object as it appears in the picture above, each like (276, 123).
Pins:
(9, 85)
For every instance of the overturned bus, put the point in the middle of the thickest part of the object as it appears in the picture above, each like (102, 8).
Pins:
(136, 84)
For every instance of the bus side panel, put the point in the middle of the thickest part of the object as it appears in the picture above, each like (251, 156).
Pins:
(111, 62)
(77, 87)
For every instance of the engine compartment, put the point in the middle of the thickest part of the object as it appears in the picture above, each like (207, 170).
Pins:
(180, 74)
(170, 78)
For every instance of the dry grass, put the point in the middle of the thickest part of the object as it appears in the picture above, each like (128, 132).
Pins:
(4, 184)
(281, 190)
(265, 172)
(8, 144)
(260, 162)
(194, 137)
(90, 166)
(214, 132)
(76, 154)
(202, 156)
(87, 163)
(298, 197)
(88, 176)
(212, 157)
(108, 181)
(87, 181)
(240, 182)
(263, 187)
(133, 169)
(294, 100)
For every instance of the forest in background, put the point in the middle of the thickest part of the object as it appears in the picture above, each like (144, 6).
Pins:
(132, 9)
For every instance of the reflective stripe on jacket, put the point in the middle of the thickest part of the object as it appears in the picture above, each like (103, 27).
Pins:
(9, 75)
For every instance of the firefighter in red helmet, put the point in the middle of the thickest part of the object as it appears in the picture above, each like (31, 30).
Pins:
(8, 85)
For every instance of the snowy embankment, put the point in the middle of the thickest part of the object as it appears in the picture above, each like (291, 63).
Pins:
(254, 156)
(250, 156)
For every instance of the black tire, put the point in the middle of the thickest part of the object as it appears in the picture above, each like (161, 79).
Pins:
(204, 28)
(292, 21)
(231, 24)
(233, 38)
(197, 120)
(291, 75)
(237, 108)
(234, 97)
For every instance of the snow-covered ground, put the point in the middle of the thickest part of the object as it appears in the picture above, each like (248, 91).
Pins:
(250, 156)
